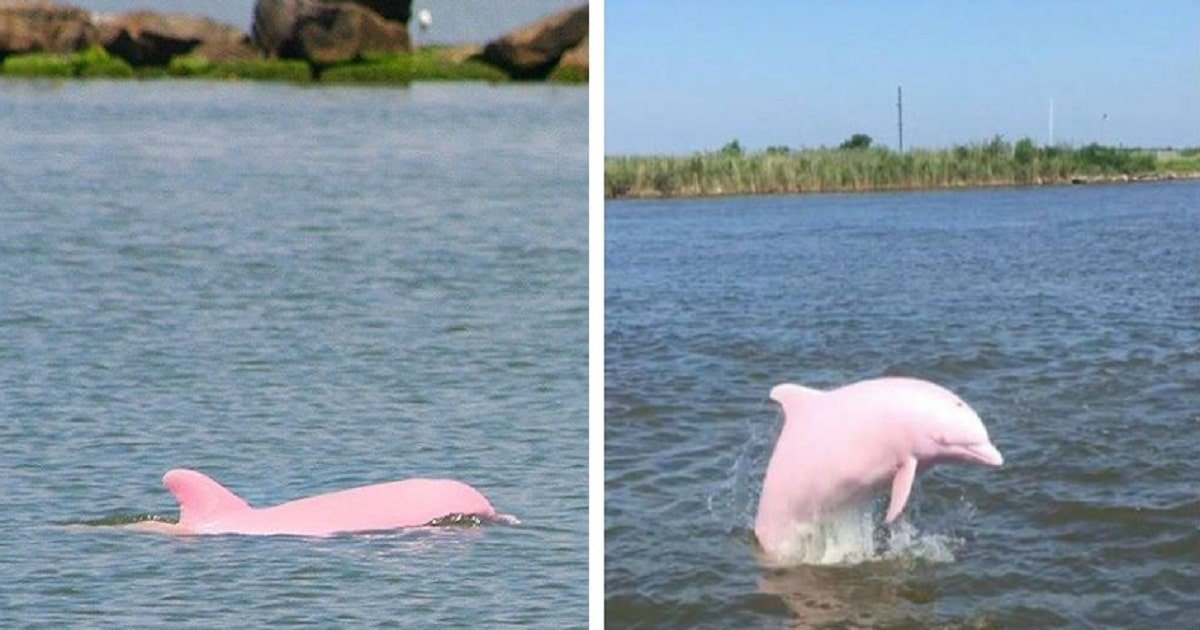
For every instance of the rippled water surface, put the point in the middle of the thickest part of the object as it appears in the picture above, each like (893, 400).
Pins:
(1068, 317)
(296, 291)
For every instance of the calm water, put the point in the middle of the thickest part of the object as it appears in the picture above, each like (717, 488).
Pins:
(294, 290)
(1069, 318)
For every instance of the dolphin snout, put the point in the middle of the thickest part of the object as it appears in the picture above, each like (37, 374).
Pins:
(986, 454)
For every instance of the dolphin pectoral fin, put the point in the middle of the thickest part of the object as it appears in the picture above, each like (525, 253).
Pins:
(902, 485)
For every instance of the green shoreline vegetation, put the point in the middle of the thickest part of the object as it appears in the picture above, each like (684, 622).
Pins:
(432, 63)
(94, 62)
(426, 64)
(856, 166)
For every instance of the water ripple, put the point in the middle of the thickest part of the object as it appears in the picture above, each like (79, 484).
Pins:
(1066, 318)
(295, 291)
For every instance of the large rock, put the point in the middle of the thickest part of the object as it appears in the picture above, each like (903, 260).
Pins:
(324, 32)
(391, 10)
(27, 27)
(328, 33)
(274, 25)
(532, 51)
(575, 59)
(146, 38)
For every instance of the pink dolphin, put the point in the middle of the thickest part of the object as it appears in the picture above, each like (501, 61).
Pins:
(838, 447)
(206, 507)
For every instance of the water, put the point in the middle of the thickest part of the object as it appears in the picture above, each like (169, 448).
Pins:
(295, 290)
(1066, 316)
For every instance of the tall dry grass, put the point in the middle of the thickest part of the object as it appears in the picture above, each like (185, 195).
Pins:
(778, 170)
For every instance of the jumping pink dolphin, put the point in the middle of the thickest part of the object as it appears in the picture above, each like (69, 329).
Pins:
(206, 507)
(838, 447)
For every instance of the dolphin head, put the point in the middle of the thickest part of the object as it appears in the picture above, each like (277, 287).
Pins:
(944, 428)
(962, 437)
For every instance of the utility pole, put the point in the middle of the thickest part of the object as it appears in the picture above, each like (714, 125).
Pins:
(900, 117)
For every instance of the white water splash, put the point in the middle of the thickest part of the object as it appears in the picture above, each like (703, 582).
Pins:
(906, 542)
(845, 538)
(852, 537)
(733, 499)
(506, 519)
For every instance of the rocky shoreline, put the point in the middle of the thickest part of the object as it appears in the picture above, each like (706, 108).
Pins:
(343, 40)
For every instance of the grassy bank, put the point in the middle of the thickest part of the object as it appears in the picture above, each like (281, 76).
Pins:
(426, 64)
(730, 171)
(92, 62)
(194, 67)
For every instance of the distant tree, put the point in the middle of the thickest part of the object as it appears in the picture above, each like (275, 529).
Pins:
(778, 150)
(857, 141)
(1115, 159)
(996, 147)
(733, 147)
(1024, 151)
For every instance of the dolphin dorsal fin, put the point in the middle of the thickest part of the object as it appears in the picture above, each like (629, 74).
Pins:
(793, 398)
(200, 498)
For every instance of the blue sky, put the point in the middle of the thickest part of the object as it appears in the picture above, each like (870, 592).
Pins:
(685, 75)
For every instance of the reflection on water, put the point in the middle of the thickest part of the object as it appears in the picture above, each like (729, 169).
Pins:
(864, 596)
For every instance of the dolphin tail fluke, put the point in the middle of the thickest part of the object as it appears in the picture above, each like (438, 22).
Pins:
(902, 485)
(200, 498)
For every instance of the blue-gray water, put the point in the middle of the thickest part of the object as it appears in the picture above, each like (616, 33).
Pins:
(1068, 317)
(294, 290)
